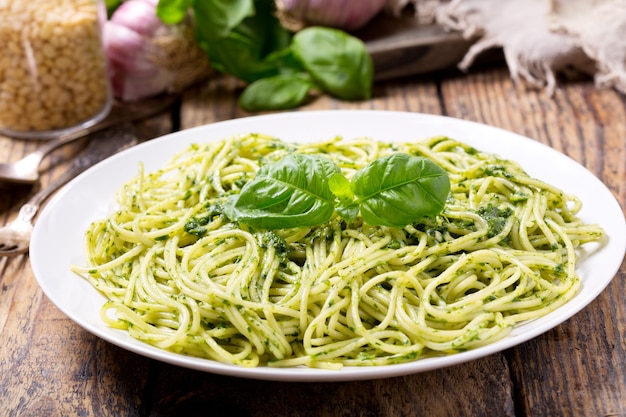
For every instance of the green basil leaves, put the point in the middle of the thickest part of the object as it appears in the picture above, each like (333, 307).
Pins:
(339, 63)
(318, 58)
(289, 193)
(305, 190)
(244, 38)
(400, 188)
(280, 92)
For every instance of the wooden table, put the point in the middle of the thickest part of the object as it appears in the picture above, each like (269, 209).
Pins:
(49, 366)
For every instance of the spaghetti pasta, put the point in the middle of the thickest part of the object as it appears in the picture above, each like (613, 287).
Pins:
(179, 275)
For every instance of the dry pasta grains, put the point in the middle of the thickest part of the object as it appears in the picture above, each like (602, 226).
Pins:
(53, 71)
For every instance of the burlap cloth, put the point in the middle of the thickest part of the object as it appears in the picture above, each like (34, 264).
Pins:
(541, 39)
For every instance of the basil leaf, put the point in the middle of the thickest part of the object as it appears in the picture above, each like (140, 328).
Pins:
(112, 5)
(238, 35)
(172, 11)
(340, 187)
(244, 38)
(348, 211)
(289, 193)
(399, 189)
(280, 92)
(285, 61)
(339, 63)
(218, 18)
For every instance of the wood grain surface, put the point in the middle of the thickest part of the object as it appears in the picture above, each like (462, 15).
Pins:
(49, 366)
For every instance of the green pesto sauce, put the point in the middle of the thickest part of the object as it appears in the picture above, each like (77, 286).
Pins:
(495, 217)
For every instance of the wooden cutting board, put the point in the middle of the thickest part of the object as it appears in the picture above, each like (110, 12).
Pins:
(401, 47)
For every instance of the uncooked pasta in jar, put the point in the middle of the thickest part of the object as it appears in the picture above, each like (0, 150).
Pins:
(53, 71)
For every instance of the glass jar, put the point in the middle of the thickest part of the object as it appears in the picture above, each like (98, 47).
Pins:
(53, 68)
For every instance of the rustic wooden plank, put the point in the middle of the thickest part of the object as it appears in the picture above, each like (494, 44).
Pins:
(401, 95)
(49, 366)
(216, 100)
(52, 367)
(210, 102)
(433, 394)
(578, 368)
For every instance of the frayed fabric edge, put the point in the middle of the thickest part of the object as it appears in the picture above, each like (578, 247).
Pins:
(536, 72)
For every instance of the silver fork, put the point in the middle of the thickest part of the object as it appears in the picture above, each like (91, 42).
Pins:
(26, 170)
(15, 236)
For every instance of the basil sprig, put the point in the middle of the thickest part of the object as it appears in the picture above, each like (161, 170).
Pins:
(283, 70)
(306, 190)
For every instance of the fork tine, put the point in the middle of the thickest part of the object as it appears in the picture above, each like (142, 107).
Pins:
(8, 246)
(11, 246)
(12, 251)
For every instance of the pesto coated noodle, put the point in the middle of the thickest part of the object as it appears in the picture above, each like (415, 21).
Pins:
(178, 275)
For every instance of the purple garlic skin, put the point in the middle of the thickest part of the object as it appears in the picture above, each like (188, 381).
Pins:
(147, 57)
(341, 14)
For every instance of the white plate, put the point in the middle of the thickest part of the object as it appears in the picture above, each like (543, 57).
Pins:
(58, 235)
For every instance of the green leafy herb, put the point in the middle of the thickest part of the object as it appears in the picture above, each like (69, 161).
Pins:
(305, 190)
(111, 6)
(171, 11)
(341, 187)
(239, 38)
(338, 62)
(399, 188)
(291, 192)
(245, 39)
(283, 91)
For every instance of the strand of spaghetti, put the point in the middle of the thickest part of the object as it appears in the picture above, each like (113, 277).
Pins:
(148, 283)
(246, 357)
(267, 329)
(539, 212)
(113, 263)
(360, 249)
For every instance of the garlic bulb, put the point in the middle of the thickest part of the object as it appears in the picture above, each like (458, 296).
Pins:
(147, 57)
(340, 14)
